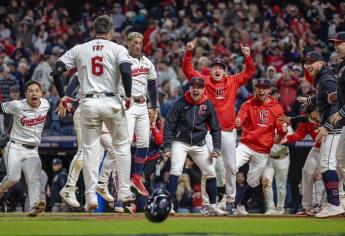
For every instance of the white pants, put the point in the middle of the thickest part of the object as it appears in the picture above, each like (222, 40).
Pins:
(340, 156)
(139, 122)
(257, 163)
(277, 168)
(18, 159)
(94, 112)
(77, 161)
(199, 154)
(228, 152)
(328, 152)
(311, 166)
(219, 168)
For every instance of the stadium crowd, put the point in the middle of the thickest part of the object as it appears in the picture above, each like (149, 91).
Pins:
(33, 34)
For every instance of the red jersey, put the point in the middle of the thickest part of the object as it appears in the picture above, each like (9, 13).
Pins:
(303, 130)
(221, 93)
(260, 122)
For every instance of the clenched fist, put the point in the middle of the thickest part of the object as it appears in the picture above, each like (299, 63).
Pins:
(190, 45)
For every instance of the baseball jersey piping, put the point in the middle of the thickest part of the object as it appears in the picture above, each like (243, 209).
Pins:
(329, 152)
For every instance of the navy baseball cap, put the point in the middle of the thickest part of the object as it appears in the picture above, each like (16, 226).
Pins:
(57, 161)
(263, 82)
(312, 56)
(219, 61)
(339, 37)
(197, 80)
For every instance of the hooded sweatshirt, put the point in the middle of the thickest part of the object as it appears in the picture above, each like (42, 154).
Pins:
(259, 122)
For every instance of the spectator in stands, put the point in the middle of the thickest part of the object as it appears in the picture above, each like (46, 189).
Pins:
(58, 182)
(42, 73)
(53, 120)
(6, 82)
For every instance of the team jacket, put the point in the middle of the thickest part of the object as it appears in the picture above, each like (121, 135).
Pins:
(303, 130)
(188, 122)
(259, 123)
(325, 83)
(222, 93)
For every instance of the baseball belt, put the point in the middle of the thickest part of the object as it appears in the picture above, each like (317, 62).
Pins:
(139, 100)
(24, 145)
(279, 157)
(97, 95)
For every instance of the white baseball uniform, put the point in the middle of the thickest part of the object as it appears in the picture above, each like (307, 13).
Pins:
(219, 168)
(277, 167)
(21, 152)
(97, 62)
(137, 116)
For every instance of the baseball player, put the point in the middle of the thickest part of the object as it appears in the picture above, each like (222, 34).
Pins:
(277, 167)
(184, 134)
(68, 191)
(144, 79)
(100, 64)
(222, 89)
(312, 165)
(258, 119)
(21, 151)
(325, 83)
(339, 45)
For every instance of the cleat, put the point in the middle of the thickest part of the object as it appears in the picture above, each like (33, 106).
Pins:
(137, 183)
(280, 211)
(241, 210)
(37, 207)
(271, 211)
(89, 207)
(330, 210)
(118, 207)
(205, 210)
(216, 211)
(68, 194)
(102, 190)
(230, 208)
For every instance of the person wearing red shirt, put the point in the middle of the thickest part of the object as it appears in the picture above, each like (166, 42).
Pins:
(258, 118)
(312, 164)
(221, 89)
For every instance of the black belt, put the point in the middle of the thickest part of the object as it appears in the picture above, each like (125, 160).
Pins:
(279, 157)
(25, 145)
(139, 100)
(95, 95)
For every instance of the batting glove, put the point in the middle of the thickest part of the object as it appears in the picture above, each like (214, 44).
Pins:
(128, 102)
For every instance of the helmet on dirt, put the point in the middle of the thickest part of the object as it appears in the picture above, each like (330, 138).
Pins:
(158, 206)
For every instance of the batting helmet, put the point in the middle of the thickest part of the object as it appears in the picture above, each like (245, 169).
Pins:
(158, 206)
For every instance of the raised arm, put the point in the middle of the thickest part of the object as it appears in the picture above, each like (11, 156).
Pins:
(248, 73)
(187, 63)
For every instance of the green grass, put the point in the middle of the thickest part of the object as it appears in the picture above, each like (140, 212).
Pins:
(114, 224)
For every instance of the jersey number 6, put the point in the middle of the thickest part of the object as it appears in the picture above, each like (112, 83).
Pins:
(97, 67)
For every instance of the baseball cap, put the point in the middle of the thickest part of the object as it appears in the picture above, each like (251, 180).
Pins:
(263, 82)
(219, 61)
(197, 80)
(57, 161)
(312, 56)
(339, 37)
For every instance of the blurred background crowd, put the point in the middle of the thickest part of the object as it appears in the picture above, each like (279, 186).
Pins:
(34, 33)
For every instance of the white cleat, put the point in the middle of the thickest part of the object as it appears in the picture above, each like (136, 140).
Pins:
(68, 194)
(280, 211)
(102, 189)
(37, 207)
(172, 211)
(271, 211)
(330, 210)
(216, 211)
(241, 210)
(90, 206)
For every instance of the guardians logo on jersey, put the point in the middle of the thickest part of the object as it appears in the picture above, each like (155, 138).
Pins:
(34, 121)
(263, 117)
